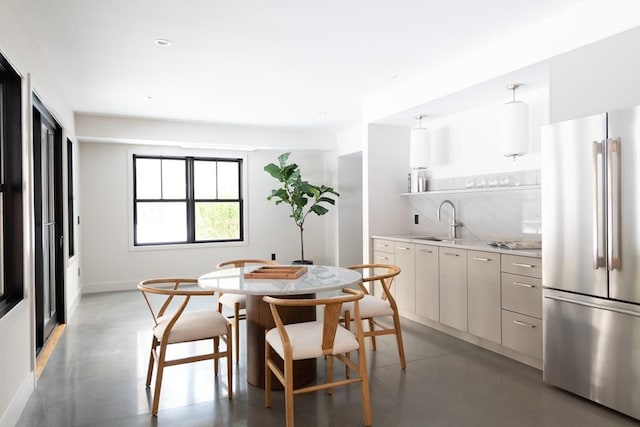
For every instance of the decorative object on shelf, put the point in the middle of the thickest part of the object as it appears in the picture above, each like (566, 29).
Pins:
(302, 197)
(419, 155)
(516, 126)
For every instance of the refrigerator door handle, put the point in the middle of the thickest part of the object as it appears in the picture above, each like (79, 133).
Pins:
(598, 229)
(614, 237)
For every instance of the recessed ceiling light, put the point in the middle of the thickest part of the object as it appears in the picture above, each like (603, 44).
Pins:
(149, 97)
(321, 113)
(163, 42)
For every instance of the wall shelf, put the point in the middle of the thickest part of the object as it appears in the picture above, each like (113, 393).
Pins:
(473, 190)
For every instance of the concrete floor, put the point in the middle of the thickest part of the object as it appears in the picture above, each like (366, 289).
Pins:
(96, 376)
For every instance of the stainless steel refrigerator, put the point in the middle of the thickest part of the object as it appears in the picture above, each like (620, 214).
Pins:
(591, 257)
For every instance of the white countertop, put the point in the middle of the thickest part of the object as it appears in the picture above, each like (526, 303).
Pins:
(469, 244)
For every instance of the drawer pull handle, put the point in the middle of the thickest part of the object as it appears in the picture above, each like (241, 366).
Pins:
(403, 248)
(519, 323)
(381, 257)
(518, 264)
(451, 254)
(481, 259)
(384, 245)
(526, 285)
(426, 250)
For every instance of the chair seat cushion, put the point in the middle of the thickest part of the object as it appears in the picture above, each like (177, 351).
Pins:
(370, 306)
(306, 340)
(192, 326)
(230, 300)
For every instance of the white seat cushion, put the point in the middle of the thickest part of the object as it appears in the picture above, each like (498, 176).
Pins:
(230, 300)
(192, 326)
(306, 340)
(370, 306)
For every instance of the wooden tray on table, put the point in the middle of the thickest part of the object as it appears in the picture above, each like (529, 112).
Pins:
(276, 272)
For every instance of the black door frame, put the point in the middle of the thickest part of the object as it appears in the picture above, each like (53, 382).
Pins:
(40, 115)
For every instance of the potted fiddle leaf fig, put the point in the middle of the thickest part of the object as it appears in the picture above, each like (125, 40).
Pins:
(302, 197)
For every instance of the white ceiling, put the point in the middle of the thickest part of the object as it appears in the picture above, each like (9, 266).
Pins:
(284, 63)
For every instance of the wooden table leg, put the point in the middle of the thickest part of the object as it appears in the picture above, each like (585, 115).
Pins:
(259, 319)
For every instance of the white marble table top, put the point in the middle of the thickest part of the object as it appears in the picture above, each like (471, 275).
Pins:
(318, 278)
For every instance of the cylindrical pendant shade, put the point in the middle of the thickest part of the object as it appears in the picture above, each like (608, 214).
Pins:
(420, 147)
(516, 125)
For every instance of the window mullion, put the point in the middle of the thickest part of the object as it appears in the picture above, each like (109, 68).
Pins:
(191, 209)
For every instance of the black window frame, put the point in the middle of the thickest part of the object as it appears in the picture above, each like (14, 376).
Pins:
(12, 233)
(190, 199)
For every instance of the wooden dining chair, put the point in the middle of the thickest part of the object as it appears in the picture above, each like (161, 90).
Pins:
(237, 302)
(377, 302)
(167, 300)
(325, 338)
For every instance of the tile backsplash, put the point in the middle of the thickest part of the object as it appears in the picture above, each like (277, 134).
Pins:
(500, 214)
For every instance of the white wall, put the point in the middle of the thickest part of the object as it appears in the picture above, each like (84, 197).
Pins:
(599, 77)
(17, 376)
(108, 261)
(468, 143)
(386, 169)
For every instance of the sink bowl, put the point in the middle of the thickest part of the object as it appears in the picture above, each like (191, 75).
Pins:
(430, 238)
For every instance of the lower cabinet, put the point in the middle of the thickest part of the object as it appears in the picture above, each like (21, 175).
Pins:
(453, 287)
(488, 297)
(427, 282)
(483, 283)
(522, 333)
(404, 286)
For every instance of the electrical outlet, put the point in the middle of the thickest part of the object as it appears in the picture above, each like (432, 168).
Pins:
(273, 257)
(416, 219)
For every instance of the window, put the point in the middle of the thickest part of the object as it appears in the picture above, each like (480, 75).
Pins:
(187, 200)
(11, 222)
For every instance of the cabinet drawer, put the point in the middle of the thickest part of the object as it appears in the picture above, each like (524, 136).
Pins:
(522, 294)
(522, 333)
(523, 265)
(381, 245)
(383, 258)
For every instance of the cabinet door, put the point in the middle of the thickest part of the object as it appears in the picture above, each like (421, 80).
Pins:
(483, 282)
(404, 285)
(427, 293)
(453, 287)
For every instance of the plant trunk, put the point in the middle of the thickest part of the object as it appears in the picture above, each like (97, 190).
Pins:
(302, 242)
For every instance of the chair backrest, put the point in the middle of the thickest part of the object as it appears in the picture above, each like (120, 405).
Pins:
(242, 262)
(382, 274)
(170, 288)
(331, 316)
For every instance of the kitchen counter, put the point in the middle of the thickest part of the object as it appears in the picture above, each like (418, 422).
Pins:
(470, 244)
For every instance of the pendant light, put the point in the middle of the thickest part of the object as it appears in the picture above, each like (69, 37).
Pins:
(420, 146)
(516, 126)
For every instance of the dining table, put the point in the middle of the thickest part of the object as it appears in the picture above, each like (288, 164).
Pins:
(245, 280)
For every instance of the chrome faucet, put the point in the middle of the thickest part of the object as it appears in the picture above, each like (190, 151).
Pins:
(454, 224)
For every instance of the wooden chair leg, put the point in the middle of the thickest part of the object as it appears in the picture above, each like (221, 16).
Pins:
(267, 377)
(373, 337)
(288, 390)
(396, 323)
(160, 371)
(154, 344)
(330, 373)
(229, 362)
(364, 384)
(236, 327)
(216, 347)
(347, 325)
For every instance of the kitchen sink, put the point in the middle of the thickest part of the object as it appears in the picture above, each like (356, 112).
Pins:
(430, 238)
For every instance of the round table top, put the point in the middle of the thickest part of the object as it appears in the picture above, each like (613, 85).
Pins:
(318, 278)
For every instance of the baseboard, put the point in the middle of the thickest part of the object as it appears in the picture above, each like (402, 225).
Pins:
(89, 288)
(14, 411)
